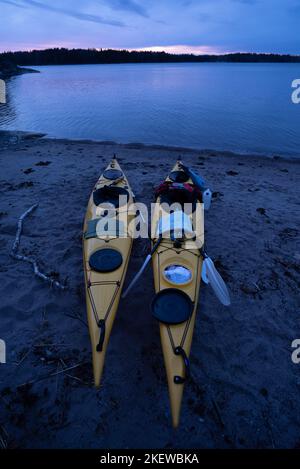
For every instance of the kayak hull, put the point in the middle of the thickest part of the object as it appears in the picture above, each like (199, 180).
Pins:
(103, 289)
(178, 335)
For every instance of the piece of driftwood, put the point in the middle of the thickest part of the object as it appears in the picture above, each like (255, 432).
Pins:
(30, 260)
(55, 373)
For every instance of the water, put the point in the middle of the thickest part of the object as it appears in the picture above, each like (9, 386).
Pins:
(236, 107)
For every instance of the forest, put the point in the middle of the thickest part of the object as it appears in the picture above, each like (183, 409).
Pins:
(62, 56)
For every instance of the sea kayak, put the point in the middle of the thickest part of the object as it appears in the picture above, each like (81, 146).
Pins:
(107, 243)
(177, 265)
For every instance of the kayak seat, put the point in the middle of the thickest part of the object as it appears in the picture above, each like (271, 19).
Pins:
(99, 228)
(116, 196)
(175, 225)
(179, 176)
(178, 193)
(172, 306)
(181, 196)
(105, 260)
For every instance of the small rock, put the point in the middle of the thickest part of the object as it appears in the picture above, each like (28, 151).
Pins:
(232, 173)
(261, 210)
(43, 163)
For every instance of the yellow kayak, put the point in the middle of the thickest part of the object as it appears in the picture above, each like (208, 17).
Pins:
(177, 265)
(107, 243)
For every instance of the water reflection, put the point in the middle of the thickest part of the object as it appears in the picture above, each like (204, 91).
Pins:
(236, 107)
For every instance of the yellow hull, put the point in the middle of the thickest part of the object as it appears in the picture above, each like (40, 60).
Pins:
(103, 289)
(173, 336)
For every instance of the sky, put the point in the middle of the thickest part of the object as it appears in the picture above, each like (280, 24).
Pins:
(196, 26)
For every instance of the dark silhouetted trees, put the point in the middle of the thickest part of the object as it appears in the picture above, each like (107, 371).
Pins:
(61, 56)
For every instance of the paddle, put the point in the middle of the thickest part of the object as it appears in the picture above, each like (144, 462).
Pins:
(211, 276)
(200, 184)
(197, 180)
(140, 272)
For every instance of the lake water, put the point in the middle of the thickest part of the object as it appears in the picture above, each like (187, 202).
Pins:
(236, 107)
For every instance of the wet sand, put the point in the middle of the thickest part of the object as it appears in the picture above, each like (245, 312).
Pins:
(244, 390)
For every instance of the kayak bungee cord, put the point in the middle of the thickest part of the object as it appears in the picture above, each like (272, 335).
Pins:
(101, 322)
(179, 349)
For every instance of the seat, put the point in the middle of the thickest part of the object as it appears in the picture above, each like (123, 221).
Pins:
(179, 176)
(175, 225)
(116, 196)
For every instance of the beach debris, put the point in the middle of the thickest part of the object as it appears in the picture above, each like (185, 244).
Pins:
(77, 317)
(3, 438)
(43, 163)
(217, 411)
(261, 210)
(217, 195)
(28, 171)
(30, 383)
(249, 289)
(14, 252)
(264, 392)
(268, 424)
(232, 173)
(253, 189)
(288, 233)
(23, 185)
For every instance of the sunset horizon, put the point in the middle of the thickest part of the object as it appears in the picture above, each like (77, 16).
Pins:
(214, 27)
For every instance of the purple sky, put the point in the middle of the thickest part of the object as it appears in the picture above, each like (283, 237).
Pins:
(198, 26)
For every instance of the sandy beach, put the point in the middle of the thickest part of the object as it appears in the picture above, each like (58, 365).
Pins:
(244, 389)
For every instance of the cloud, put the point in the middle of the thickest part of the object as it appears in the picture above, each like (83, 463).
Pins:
(65, 11)
(128, 5)
(11, 2)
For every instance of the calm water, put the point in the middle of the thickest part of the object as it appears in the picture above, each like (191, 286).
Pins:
(238, 107)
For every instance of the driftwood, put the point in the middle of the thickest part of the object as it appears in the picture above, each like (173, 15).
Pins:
(55, 373)
(33, 262)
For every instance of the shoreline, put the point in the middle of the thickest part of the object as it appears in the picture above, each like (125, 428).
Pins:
(8, 71)
(16, 136)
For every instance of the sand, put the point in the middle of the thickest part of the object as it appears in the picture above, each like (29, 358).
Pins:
(244, 390)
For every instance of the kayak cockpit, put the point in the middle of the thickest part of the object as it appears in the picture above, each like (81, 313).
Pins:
(111, 196)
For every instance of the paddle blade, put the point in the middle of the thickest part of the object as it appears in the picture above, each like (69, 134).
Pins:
(137, 276)
(217, 283)
(204, 274)
(197, 180)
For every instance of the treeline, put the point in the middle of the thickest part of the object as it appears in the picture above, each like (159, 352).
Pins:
(61, 56)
